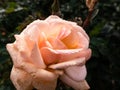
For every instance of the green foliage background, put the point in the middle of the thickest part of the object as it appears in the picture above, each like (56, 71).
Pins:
(104, 31)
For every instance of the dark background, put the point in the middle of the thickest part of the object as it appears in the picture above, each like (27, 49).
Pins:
(104, 31)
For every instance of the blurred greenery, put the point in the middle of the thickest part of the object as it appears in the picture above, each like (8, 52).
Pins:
(104, 31)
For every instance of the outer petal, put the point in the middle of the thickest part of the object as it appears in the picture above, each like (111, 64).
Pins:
(77, 73)
(45, 80)
(34, 28)
(26, 50)
(83, 41)
(42, 79)
(21, 79)
(81, 30)
(55, 19)
(81, 85)
(38, 78)
(15, 55)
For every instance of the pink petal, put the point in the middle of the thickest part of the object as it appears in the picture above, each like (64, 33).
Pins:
(82, 31)
(51, 56)
(58, 28)
(25, 51)
(83, 41)
(43, 41)
(64, 65)
(29, 51)
(36, 57)
(81, 85)
(66, 55)
(56, 43)
(77, 72)
(72, 40)
(64, 32)
(21, 79)
(35, 27)
(21, 44)
(38, 78)
(68, 31)
(48, 57)
(52, 18)
(55, 19)
(45, 80)
(15, 55)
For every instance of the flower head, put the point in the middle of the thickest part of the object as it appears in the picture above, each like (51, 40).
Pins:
(47, 50)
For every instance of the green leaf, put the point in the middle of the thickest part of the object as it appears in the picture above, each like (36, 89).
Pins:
(97, 29)
(11, 7)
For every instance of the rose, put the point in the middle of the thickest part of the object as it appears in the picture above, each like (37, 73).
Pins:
(46, 46)
(48, 49)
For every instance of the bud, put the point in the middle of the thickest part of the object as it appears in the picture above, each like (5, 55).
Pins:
(90, 4)
(55, 8)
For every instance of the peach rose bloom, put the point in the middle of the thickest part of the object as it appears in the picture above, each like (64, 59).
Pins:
(47, 50)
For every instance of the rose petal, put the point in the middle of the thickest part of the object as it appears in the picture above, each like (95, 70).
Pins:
(59, 27)
(62, 29)
(81, 30)
(20, 52)
(21, 79)
(76, 72)
(35, 27)
(36, 57)
(15, 55)
(63, 65)
(66, 55)
(51, 56)
(41, 80)
(82, 85)
(55, 19)
(72, 40)
(52, 18)
(64, 32)
(32, 55)
(43, 41)
(22, 45)
(83, 42)
(48, 57)
(56, 43)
